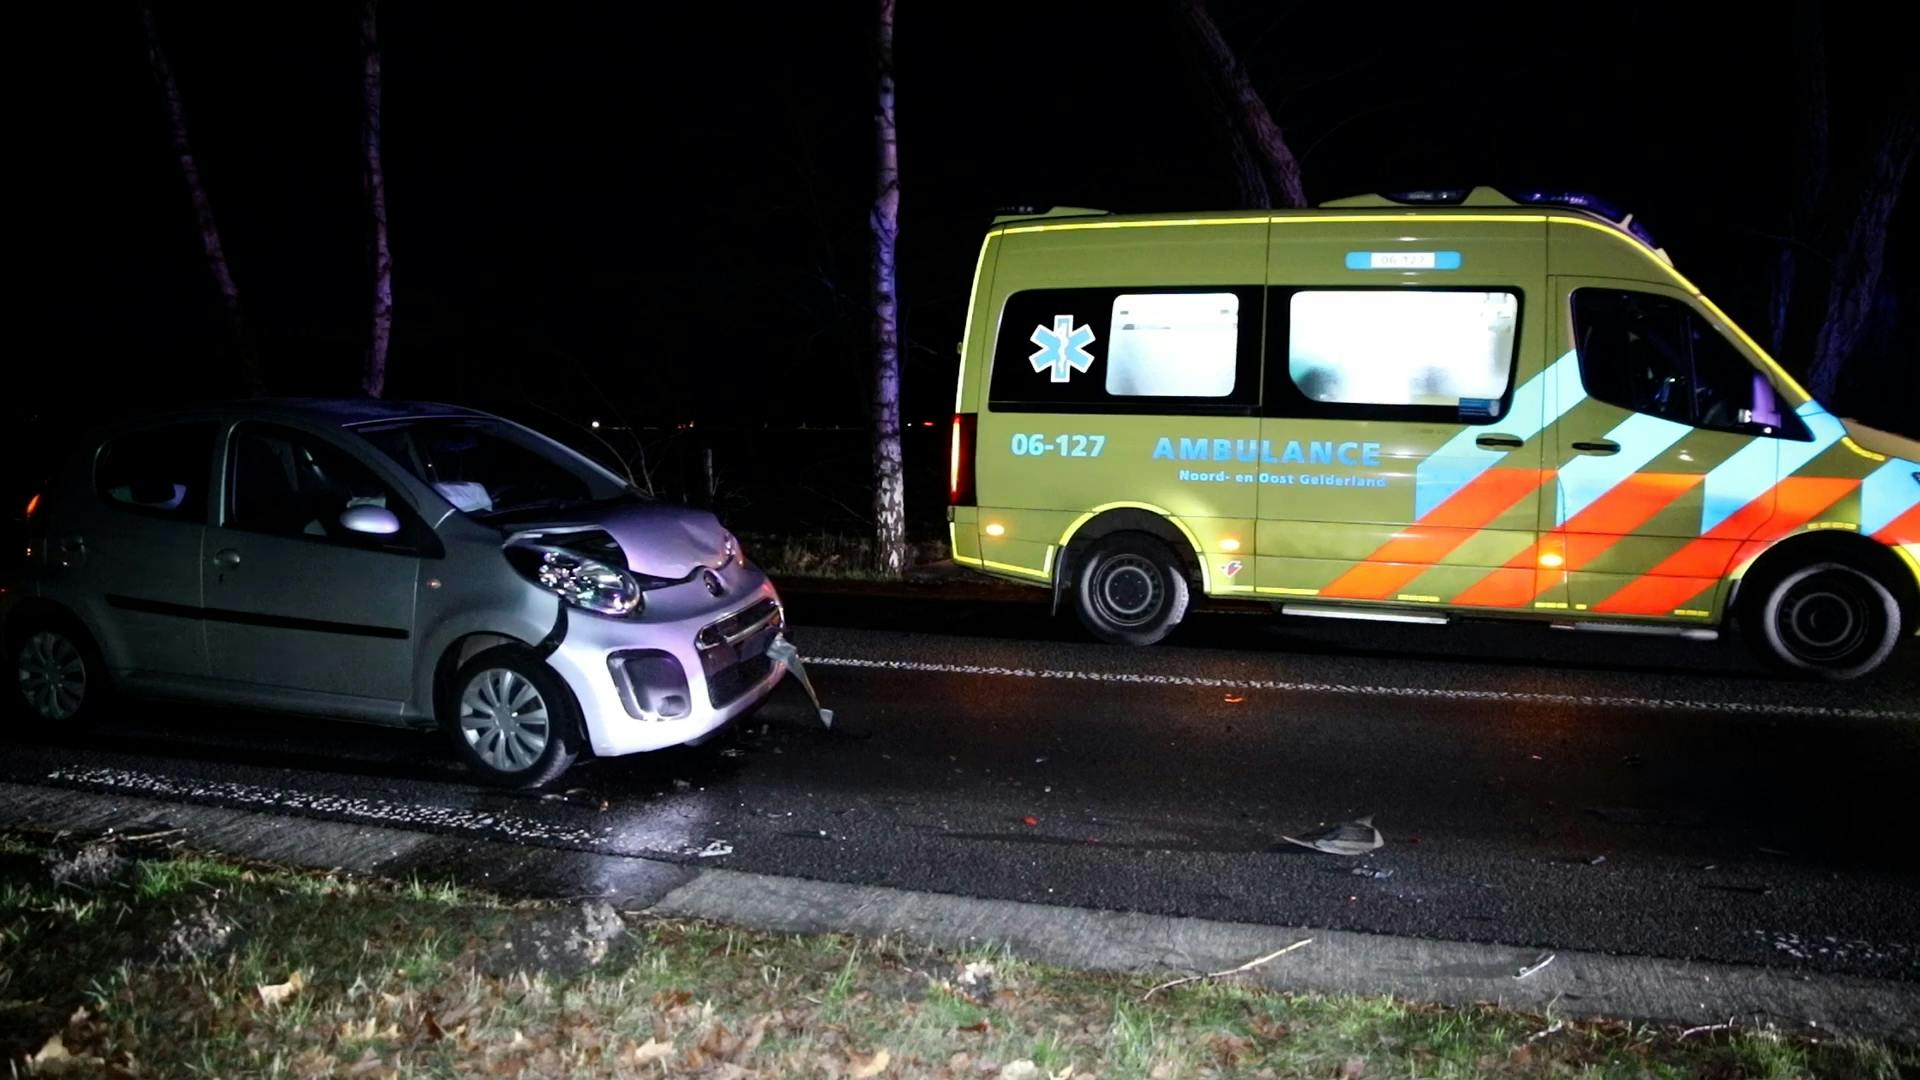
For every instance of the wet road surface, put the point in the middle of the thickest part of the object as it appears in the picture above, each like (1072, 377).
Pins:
(1534, 787)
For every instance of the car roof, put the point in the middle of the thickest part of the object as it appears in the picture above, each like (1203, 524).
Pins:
(331, 412)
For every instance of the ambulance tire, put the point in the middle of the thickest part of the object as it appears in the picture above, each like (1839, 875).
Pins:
(1827, 620)
(1130, 590)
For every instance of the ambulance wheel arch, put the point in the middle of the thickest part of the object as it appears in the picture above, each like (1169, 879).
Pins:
(1825, 574)
(1132, 572)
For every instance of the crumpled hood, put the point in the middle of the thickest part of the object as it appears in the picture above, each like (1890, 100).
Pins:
(660, 540)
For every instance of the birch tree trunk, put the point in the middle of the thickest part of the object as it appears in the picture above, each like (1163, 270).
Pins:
(244, 355)
(374, 379)
(889, 487)
(1264, 167)
(1855, 281)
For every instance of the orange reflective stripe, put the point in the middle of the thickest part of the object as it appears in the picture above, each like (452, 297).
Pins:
(1585, 536)
(1701, 563)
(1904, 529)
(1509, 586)
(1416, 548)
(1629, 505)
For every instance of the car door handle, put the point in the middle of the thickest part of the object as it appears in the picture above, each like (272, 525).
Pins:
(226, 558)
(1599, 447)
(1497, 441)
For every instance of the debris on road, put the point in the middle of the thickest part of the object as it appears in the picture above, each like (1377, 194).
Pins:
(1248, 966)
(783, 653)
(1235, 699)
(1529, 969)
(1378, 873)
(1355, 837)
(1596, 860)
(714, 850)
(1029, 821)
(733, 752)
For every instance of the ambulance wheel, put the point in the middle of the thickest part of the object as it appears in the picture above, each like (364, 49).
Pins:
(1828, 620)
(1130, 590)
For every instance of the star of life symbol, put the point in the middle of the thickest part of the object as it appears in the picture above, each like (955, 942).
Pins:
(1063, 348)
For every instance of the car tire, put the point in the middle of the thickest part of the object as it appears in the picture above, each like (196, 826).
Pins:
(512, 719)
(1130, 590)
(59, 677)
(1827, 620)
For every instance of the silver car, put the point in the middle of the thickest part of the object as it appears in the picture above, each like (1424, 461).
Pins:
(407, 564)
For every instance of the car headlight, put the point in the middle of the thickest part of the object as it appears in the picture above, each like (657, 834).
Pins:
(579, 580)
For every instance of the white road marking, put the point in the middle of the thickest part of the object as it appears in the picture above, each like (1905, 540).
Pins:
(378, 811)
(1511, 697)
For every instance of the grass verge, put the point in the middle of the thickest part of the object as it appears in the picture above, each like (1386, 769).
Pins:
(831, 555)
(140, 960)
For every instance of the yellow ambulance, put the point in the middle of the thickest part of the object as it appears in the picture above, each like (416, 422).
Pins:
(1415, 408)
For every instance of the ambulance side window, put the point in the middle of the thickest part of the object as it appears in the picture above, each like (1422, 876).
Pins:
(1655, 355)
(1426, 355)
(1164, 350)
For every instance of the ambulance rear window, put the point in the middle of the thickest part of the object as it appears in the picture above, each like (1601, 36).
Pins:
(1167, 350)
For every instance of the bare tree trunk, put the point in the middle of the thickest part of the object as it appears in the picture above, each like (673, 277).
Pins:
(374, 379)
(1814, 158)
(1264, 166)
(202, 208)
(1855, 281)
(889, 486)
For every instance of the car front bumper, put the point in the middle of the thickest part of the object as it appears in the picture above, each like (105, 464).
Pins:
(691, 664)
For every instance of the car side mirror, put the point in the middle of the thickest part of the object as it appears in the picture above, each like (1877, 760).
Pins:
(371, 520)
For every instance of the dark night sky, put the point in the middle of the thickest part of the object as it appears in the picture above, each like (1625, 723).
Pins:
(666, 203)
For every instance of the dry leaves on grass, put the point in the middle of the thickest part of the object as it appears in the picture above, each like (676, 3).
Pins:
(273, 994)
(653, 1050)
(873, 1066)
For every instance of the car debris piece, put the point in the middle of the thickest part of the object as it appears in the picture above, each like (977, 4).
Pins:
(782, 652)
(714, 850)
(1378, 873)
(1528, 969)
(1355, 837)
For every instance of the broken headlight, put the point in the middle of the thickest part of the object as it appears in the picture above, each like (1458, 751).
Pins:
(581, 581)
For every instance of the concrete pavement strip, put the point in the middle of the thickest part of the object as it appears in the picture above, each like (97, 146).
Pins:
(1576, 983)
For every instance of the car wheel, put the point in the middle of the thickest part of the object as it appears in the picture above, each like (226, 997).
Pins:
(512, 718)
(1828, 620)
(60, 679)
(1130, 590)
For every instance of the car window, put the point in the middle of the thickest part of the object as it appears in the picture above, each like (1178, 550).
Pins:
(162, 472)
(487, 467)
(1654, 354)
(288, 483)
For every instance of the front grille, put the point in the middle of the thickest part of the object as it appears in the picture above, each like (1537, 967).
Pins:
(733, 651)
(725, 686)
(742, 624)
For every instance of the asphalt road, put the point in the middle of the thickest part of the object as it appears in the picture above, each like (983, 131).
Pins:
(1534, 787)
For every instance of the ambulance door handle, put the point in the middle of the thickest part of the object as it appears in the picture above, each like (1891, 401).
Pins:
(1498, 442)
(1600, 447)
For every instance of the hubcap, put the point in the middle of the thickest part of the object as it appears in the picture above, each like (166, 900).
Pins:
(1129, 591)
(504, 719)
(1826, 618)
(53, 675)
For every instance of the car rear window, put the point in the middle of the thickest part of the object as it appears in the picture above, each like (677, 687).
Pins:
(161, 471)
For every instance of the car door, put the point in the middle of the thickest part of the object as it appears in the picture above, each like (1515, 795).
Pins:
(294, 598)
(128, 552)
(1672, 459)
(1401, 443)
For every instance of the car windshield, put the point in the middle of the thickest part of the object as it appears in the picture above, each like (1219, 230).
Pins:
(493, 469)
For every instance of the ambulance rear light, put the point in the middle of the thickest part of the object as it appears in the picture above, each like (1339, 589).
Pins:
(960, 461)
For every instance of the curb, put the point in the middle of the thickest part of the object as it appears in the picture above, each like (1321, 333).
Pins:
(1574, 984)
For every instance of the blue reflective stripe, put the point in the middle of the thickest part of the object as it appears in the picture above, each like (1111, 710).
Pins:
(1459, 461)
(1756, 467)
(1642, 438)
(1888, 492)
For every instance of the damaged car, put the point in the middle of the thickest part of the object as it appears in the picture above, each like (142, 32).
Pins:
(408, 564)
